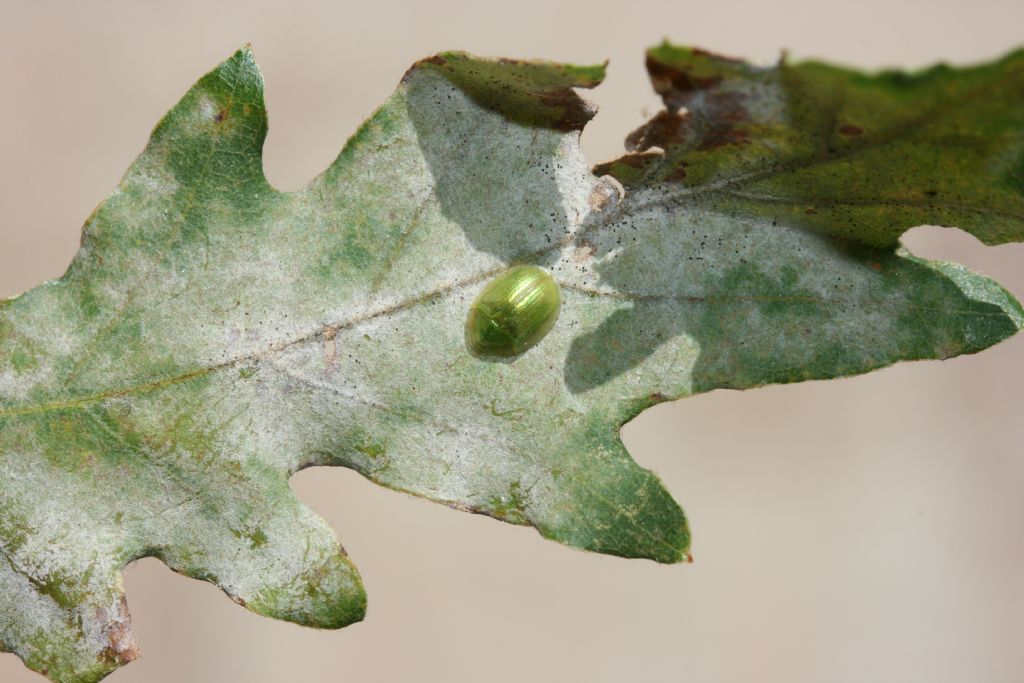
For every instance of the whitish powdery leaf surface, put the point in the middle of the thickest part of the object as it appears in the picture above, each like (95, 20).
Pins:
(213, 335)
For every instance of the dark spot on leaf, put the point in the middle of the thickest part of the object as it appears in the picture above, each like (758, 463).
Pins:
(628, 168)
(664, 131)
(677, 85)
(678, 175)
(576, 111)
(721, 119)
(850, 129)
(722, 136)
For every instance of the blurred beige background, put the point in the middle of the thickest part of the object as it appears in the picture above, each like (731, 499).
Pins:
(859, 530)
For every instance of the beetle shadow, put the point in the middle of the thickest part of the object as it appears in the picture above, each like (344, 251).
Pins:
(623, 341)
(752, 327)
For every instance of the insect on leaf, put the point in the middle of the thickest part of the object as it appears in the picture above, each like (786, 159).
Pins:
(214, 335)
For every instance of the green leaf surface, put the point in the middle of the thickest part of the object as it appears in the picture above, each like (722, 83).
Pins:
(214, 335)
(861, 156)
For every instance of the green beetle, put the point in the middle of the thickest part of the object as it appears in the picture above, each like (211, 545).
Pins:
(513, 312)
